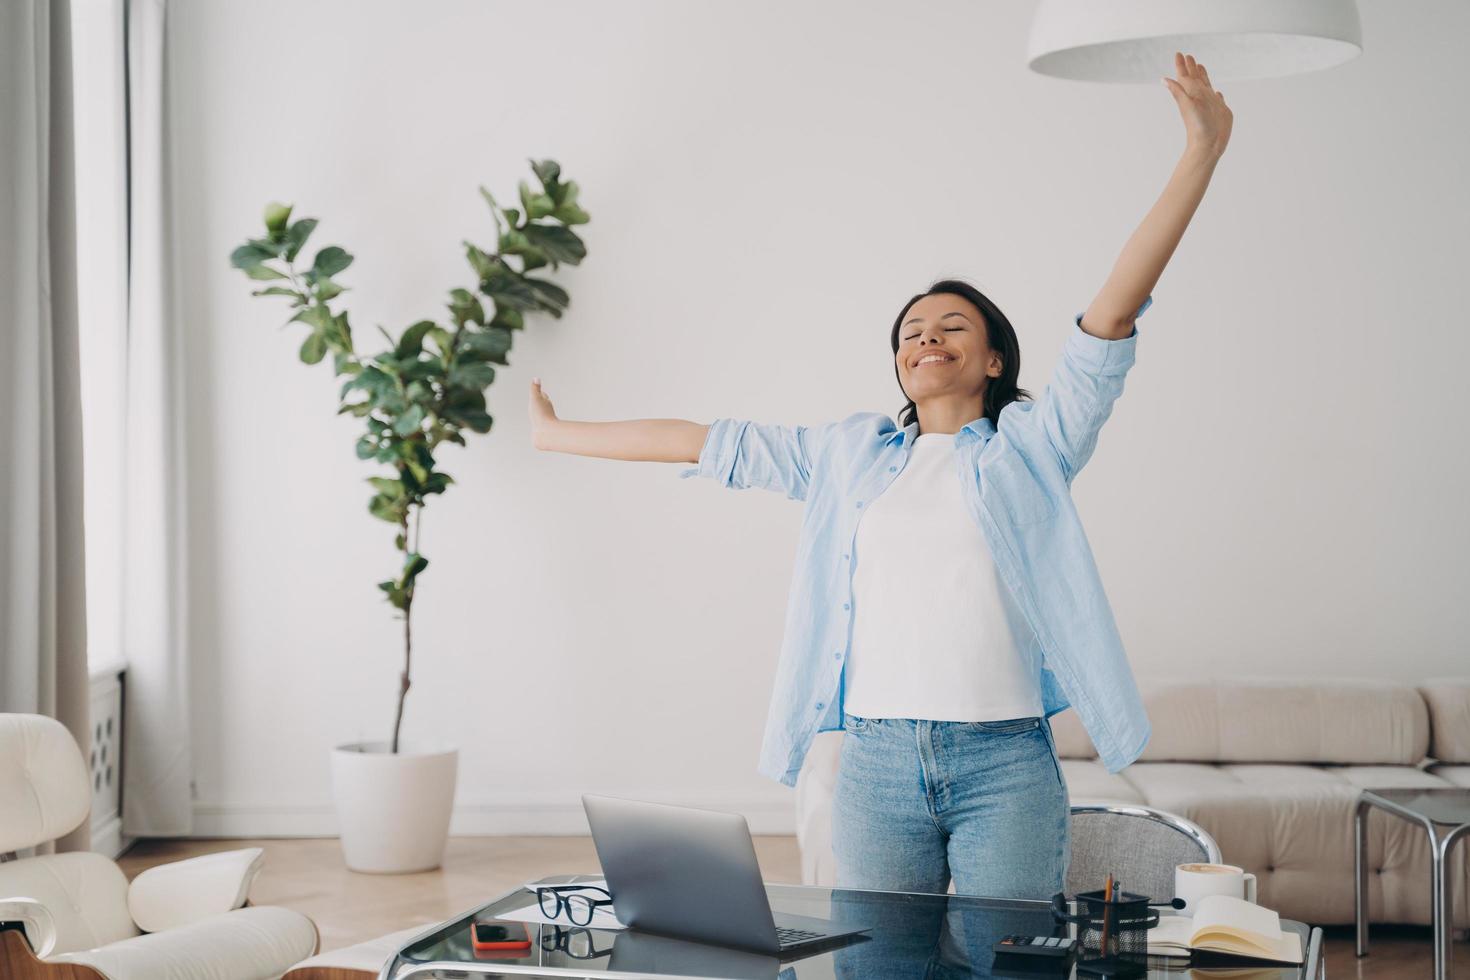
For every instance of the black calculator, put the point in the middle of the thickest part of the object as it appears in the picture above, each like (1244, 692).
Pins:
(1052, 947)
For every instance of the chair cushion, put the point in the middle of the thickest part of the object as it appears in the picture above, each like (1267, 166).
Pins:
(86, 894)
(171, 895)
(248, 944)
(367, 957)
(45, 792)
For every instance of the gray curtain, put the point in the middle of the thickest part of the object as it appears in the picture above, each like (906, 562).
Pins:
(43, 660)
(157, 760)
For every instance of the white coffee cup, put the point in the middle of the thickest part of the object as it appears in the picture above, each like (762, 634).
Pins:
(1193, 882)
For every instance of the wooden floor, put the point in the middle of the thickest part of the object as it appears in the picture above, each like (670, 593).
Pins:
(308, 876)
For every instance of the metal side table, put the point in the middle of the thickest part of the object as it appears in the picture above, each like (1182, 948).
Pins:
(1434, 809)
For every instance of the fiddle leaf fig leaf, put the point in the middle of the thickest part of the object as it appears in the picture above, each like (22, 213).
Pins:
(412, 341)
(297, 235)
(472, 374)
(559, 243)
(509, 319)
(330, 261)
(547, 171)
(465, 307)
(536, 205)
(409, 422)
(483, 264)
(279, 291)
(276, 216)
(553, 298)
(249, 255)
(490, 344)
(264, 272)
(314, 348)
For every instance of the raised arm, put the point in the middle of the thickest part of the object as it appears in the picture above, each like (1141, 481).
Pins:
(1207, 121)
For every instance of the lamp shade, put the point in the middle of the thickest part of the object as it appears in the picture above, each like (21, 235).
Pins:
(1135, 40)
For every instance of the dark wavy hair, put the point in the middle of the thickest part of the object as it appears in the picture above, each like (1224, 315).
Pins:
(999, 392)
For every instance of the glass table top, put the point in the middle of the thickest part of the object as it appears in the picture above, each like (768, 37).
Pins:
(1440, 804)
(924, 937)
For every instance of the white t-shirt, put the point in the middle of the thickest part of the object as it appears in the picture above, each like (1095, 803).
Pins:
(936, 632)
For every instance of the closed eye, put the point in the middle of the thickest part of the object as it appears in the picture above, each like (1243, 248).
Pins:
(946, 329)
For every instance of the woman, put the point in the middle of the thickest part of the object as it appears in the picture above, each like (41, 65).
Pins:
(945, 602)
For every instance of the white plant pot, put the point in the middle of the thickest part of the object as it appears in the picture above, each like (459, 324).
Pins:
(393, 808)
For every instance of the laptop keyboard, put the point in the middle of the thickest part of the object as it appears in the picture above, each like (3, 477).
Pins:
(789, 937)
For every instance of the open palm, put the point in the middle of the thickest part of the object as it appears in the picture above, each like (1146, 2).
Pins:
(1206, 116)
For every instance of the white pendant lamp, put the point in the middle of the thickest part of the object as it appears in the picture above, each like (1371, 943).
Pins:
(1135, 40)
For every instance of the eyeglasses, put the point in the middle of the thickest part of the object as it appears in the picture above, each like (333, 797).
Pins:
(579, 907)
(577, 943)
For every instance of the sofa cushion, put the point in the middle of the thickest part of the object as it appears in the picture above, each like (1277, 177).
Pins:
(1455, 775)
(1263, 720)
(1448, 701)
(1088, 781)
(1295, 722)
(1071, 738)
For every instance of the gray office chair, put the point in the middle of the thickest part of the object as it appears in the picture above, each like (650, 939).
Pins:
(1140, 844)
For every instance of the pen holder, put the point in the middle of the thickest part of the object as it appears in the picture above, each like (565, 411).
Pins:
(1112, 935)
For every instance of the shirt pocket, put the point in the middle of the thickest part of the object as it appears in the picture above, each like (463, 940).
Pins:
(1008, 483)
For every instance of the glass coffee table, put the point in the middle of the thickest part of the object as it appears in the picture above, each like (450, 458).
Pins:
(1444, 813)
(935, 937)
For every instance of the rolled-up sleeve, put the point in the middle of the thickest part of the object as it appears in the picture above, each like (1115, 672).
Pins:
(741, 454)
(1087, 380)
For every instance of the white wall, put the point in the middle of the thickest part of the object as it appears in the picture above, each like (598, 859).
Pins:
(1279, 491)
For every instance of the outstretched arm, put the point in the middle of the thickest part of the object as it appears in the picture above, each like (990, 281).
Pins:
(650, 440)
(736, 453)
(1207, 121)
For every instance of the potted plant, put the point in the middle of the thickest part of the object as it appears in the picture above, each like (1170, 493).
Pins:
(427, 388)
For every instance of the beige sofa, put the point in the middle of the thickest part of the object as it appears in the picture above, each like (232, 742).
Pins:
(1272, 770)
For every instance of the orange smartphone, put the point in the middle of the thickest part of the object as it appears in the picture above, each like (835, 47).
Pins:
(499, 936)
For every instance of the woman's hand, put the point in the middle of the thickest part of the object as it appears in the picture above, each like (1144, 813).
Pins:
(1206, 116)
(543, 416)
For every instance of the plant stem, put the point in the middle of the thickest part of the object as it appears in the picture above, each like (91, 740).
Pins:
(403, 681)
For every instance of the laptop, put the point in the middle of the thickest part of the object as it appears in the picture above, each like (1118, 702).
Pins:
(692, 874)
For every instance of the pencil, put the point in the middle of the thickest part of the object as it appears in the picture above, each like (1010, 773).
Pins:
(1107, 911)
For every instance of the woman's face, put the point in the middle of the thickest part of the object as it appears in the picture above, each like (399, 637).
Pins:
(943, 349)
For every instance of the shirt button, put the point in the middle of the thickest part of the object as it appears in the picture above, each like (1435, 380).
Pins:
(819, 706)
(892, 468)
(844, 605)
(837, 655)
(860, 503)
(844, 557)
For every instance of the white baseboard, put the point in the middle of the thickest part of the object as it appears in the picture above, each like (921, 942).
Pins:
(501, 819)
(108, 839)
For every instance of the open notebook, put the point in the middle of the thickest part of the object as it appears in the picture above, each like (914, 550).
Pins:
(1223, 924)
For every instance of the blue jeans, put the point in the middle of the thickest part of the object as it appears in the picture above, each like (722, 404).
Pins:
(917, 801)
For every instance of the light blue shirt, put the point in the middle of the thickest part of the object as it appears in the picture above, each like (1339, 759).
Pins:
(1016, 480)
